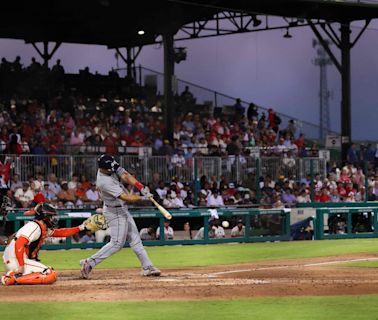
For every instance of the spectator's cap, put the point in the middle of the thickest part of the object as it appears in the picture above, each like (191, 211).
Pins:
(231, 185)
(203, 192)
(190, 113)
(240, 220)
(166, 141)
(26, 184)
(99, 210)
(350, 194)
(64, 182)
(281, 177)
(39, 198)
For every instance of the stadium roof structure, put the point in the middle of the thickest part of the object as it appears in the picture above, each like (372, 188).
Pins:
(115, 23)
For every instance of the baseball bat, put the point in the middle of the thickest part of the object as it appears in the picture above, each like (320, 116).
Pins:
(131, 180)
(162, 210)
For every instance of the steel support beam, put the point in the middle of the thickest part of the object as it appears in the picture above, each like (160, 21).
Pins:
(169, 62)
(129, 60)
(345, 44)
(346, 118)
(46, 55)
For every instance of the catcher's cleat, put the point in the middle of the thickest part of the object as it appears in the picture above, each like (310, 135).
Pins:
(151, 271)
(9, 279)
(85, 268)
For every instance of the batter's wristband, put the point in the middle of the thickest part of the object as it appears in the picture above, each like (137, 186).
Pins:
(138, 185)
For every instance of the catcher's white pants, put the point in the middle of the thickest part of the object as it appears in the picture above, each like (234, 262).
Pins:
(11, 262)
(122, 227)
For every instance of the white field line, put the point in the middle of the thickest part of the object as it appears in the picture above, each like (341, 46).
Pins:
(215, 274)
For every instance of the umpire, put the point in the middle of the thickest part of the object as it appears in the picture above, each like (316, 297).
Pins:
(122, 225)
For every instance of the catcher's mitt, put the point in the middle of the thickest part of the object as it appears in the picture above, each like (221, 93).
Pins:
(95, 223)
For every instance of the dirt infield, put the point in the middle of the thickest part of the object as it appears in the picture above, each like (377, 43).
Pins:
(319, 276)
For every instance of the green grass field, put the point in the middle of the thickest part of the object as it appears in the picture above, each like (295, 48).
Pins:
(206, 255)
(293, 308)
(289, 308)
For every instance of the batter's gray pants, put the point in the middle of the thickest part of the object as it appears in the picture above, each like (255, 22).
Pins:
(122, 227)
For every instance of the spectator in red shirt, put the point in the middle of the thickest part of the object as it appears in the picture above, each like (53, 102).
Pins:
(13, 146)
(341, 190)
(324, 195)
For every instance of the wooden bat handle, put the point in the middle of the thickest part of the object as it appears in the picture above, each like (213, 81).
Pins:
(162, 210)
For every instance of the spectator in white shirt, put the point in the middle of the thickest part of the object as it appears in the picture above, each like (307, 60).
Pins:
(215, 200)
(238, 230)
(39, 183)
(92, 193)
(161, 190)
(24, 196)
(178, 202)
(168, 231)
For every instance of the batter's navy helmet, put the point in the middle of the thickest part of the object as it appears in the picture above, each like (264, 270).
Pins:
(107, 162)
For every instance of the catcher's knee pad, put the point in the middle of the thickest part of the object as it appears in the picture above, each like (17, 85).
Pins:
(47, 277)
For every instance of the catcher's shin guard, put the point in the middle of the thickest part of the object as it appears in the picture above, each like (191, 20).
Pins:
(34, 278)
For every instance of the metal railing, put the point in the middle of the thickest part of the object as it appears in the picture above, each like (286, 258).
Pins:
(154, 168)
(260, 225)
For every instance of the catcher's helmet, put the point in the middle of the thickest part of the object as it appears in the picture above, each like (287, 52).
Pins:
(107, 162)
(47, 213)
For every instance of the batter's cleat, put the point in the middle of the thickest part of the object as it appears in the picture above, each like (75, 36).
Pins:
(85, 268)
(151, 271)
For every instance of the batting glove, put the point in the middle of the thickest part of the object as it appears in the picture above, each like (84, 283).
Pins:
(147, 197)
(145, 191)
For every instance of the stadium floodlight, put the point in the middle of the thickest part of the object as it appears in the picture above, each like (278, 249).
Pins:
(141, 32)
(179, 54)
(256, 21)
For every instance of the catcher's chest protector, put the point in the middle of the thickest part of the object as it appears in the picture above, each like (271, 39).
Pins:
(36, 245)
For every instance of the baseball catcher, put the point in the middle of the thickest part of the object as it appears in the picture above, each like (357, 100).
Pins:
(21, 254)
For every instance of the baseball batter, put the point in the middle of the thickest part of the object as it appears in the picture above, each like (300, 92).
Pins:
(122, 226)
(21, 254)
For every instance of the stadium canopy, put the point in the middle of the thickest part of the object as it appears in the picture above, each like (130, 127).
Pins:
(117, 24)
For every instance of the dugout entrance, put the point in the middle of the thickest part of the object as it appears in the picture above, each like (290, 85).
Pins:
(346, 222)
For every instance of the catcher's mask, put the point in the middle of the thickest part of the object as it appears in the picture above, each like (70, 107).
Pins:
(108, 163)
(47, 213)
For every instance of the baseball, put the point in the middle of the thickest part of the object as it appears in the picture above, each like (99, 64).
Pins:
(225, 224)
